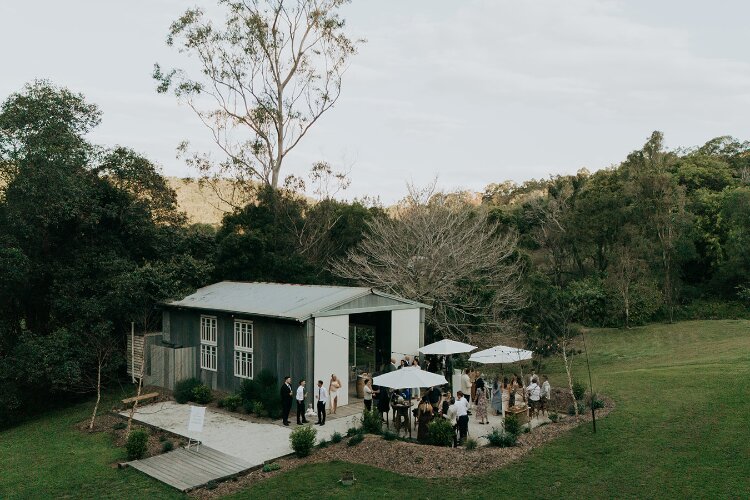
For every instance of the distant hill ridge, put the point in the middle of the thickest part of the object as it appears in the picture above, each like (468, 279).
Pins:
(201, 204)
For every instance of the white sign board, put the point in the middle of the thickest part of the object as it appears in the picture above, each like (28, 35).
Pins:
(197, 416)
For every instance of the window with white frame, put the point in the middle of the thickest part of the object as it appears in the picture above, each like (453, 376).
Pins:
(243, 349)
(208, 343)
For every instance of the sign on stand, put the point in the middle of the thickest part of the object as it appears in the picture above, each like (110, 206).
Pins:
(195, 424)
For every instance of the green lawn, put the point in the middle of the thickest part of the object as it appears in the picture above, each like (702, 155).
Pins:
(681, 429)
(49, 458)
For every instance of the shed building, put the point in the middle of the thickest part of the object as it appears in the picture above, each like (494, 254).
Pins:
(230, 331)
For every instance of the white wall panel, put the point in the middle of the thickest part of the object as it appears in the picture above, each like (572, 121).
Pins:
(404, 333)
(331, 354)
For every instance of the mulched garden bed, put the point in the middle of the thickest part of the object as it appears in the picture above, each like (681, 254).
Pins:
(414, 459)
(108, 423)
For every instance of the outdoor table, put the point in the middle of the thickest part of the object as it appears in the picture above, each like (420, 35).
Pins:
(401, 415)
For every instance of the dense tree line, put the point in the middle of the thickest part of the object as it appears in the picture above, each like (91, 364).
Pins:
(91, 239)
(662, 236)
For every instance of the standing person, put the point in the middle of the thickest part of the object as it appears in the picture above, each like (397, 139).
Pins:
(451, 414)
(368, 394)
(384, 401)
(532, 376)
(333, 392)
(286, 399)
(473, 374)
(416, 392)
(506, 395)
(432, 366)
(512, 390)
(301, 403)
(519, 385)
(496, 399)
(462, 416)
(321, 394)
(481, 402)
(466, 386)
(424, 417)
(433, 396)
(535, 394)
(392, 367)
(546, 392)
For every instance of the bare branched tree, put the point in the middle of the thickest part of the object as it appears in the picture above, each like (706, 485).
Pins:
(267, 75)
(446, 254)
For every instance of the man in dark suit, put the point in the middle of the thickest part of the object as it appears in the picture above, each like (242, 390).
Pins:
(286, 399)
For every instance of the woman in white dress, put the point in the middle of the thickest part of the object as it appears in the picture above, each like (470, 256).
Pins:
(333, 392)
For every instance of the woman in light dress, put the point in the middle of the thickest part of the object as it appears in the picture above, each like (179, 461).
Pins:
(506, 394)
(497, 396)
(333, 392)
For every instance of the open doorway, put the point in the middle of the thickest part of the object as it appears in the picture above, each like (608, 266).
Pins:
(369, 347)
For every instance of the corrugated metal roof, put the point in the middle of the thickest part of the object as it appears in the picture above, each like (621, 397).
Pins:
(277, 300)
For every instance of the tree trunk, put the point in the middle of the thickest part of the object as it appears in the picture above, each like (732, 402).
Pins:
(568, 366)
(98, 394)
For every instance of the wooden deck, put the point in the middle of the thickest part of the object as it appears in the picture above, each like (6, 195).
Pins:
(189, 469)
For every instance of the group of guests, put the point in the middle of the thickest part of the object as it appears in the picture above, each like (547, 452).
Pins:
(473, 394)
(321, 395)
(505, 393)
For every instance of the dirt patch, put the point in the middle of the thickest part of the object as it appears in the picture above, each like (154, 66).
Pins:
(414, 459)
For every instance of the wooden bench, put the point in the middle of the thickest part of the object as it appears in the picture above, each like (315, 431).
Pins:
(142, 397)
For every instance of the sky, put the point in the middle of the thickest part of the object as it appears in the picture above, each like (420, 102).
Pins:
(471, 92)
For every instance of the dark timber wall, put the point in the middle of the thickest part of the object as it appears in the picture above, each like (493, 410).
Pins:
(278, 345)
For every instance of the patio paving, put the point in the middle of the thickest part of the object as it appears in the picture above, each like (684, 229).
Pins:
(253, 442)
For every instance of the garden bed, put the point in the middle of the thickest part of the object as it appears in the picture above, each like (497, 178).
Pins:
(112, 424)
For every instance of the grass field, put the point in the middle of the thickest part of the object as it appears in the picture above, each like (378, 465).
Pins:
(680, 429)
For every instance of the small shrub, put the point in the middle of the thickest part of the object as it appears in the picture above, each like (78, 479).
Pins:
(202, 394)
(554, 417)
(231, 403)
(581, 409)
(119, 426)
(336, 437)
(512, 425)
(259, 409)
(440, 432)
(167, 446)
(271, 467)
(183, 390)
(579, 390)
(351, 431)
(501, 439)
(162, 438)
(136, 444)
(526, 430)
(371, 422)
(355, 439)
(471, 444)
(323, 444)
(212, 485)
(389, 435)
(597, 404)
(302, 439)
(250, 391)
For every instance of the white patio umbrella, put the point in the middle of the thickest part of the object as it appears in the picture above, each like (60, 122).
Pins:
(445, 347)
(501, 354)
(412, 376)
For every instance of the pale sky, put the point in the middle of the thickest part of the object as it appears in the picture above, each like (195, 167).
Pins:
(471, 91)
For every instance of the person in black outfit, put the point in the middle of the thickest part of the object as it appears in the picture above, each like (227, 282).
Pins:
(434, 398)
(286, 399)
